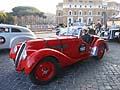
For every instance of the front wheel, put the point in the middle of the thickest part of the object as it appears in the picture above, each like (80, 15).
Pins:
(44, 72)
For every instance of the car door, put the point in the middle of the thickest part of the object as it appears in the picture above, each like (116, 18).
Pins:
(75, 48)
(18, 36)
(21, 33)
(84, 49)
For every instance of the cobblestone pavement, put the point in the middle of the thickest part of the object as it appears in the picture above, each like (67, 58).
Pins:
(87, 75)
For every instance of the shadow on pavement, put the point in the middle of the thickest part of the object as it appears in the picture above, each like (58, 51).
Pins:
(4, 51)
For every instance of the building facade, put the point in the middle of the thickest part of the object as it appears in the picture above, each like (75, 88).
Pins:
(34, 19)
(28, 20)
(85, 11)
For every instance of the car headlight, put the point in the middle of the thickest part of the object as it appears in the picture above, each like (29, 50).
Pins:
(15, 49)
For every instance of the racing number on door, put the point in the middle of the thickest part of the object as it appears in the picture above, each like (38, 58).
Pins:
(82, 48)
(2, 40)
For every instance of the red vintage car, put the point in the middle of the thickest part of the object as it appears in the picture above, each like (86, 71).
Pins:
(43, 58)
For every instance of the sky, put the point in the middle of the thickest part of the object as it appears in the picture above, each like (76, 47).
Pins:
(42, 5)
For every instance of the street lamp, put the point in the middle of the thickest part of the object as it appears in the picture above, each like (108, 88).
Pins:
(104, 13)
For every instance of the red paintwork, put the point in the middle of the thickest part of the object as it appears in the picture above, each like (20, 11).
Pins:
(45, 71)
(64, 48)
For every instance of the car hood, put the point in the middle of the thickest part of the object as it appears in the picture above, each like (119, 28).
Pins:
(51, 38)
(46, 42)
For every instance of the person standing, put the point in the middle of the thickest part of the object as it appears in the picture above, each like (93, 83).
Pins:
(98, 27)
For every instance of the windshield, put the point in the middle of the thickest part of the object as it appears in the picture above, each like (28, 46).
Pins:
(70, 31)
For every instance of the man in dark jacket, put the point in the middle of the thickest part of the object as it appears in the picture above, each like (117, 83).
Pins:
(86, 36)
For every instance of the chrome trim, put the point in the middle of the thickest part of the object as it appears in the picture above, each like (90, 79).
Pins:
(19, 54)
(94, 51)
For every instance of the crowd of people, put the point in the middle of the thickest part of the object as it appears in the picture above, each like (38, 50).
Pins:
(96, 28)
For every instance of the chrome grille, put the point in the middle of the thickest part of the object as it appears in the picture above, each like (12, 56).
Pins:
(19, 53)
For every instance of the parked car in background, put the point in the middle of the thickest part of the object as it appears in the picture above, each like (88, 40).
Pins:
(42, 59)
(10, 35)
(112, 33)
(61, 30)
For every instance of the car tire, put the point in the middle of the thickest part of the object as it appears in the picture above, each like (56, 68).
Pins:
(100, 52)
(44, 71)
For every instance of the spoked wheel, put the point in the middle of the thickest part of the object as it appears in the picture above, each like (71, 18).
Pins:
(101, 51)
(44, 72)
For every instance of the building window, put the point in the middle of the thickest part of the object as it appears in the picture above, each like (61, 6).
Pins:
(75, 21)
(85, 6)
(70, 6)
(75, 6)
(80, 13)
(90, 12)
(70, 13)
(99, 6)
(98, 13)
(80, 6)
(59, 14)
(80, 20)
(89, 20)
(90, 6)
(75, 13)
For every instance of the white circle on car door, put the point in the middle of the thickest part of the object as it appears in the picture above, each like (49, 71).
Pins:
(2, 40)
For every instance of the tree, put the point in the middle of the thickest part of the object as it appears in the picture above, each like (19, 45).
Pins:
(24, 10)
(10, 19)
(6, 18)
(3, 17)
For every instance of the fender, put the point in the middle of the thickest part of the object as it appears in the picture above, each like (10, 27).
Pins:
(96, 44)
(18, 39)
(37, 56)
(99, 41)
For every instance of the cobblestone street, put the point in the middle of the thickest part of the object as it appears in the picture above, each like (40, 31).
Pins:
(86, 75)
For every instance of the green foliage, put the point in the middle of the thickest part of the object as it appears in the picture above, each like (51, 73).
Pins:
(24, 10)
(10, 18)
(6, 18)
(3, 17)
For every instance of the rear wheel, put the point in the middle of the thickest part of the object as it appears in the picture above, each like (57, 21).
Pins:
(101, 51)
(44, 72)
